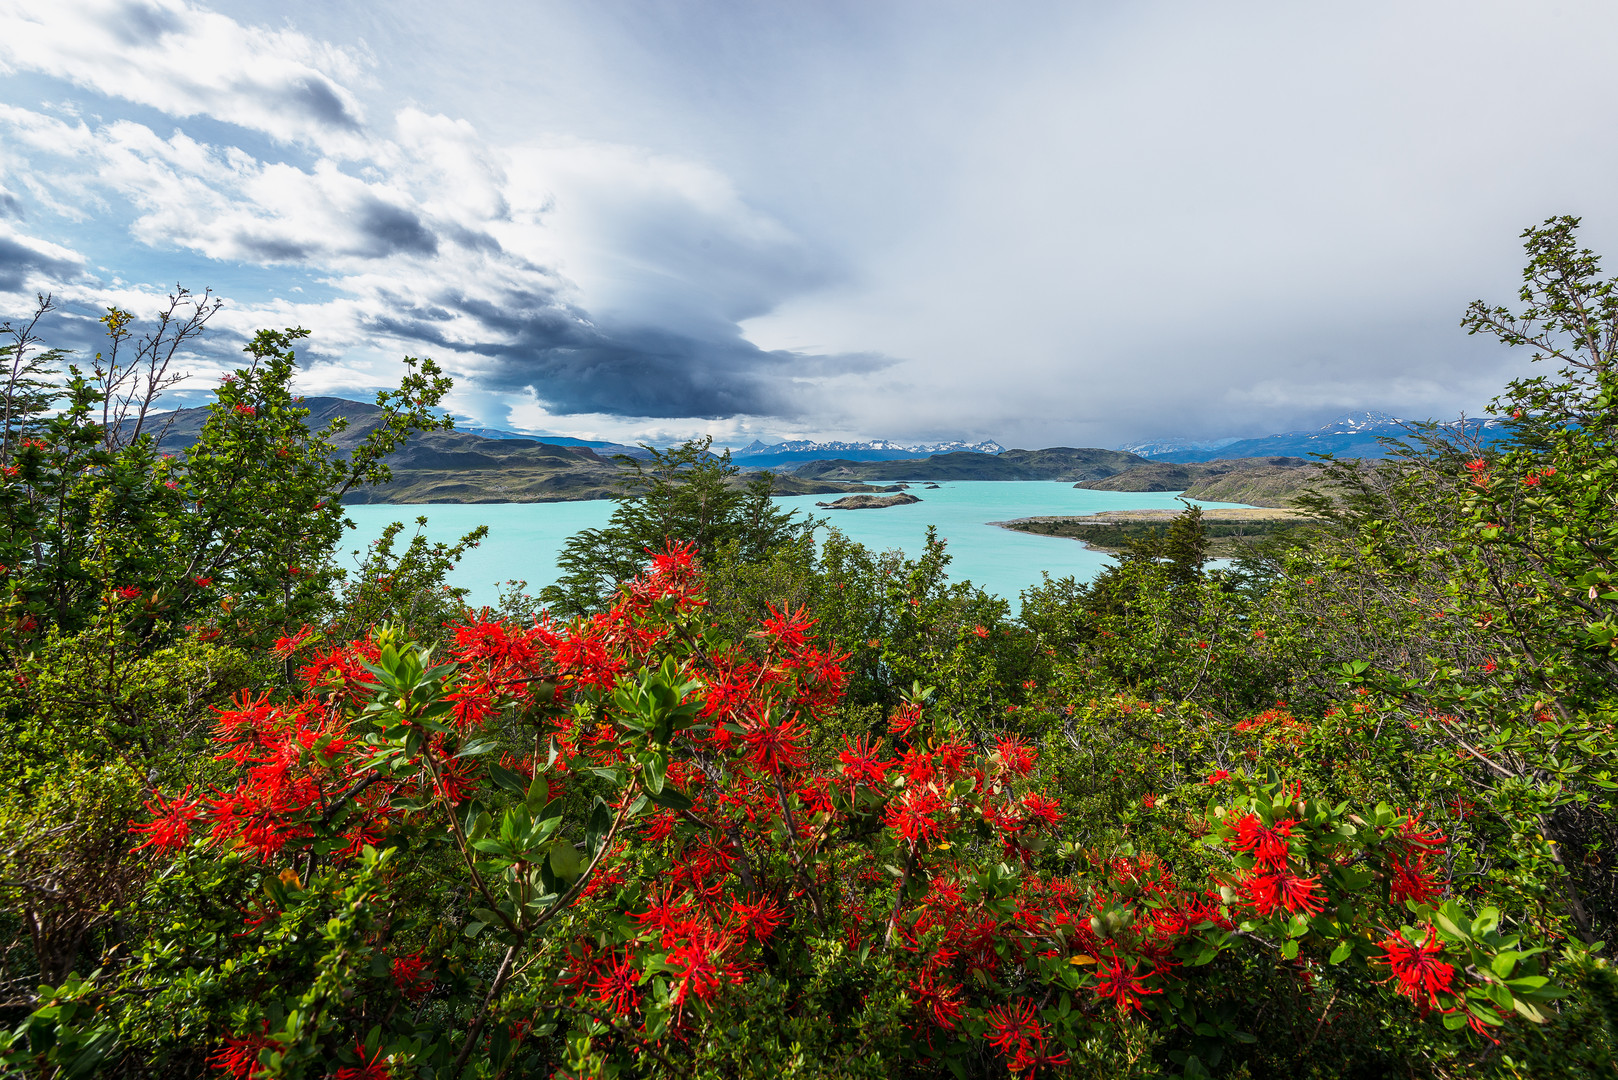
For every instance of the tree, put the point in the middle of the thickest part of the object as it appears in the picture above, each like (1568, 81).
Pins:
(685, 494)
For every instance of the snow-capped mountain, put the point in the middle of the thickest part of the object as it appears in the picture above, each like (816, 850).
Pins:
(1356, 434)
(1367, 420)
(796, 451)
(1159, 448)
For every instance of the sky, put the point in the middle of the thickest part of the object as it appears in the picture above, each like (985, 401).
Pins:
(1076, 223)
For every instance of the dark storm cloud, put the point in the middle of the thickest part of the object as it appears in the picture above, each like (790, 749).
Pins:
(315, 97)
(391, 229)
(572, 364)
(17, 261)
(378, 229)
(270, 249)
(142, 23)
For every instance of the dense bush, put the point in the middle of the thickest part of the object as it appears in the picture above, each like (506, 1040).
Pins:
(749, 804)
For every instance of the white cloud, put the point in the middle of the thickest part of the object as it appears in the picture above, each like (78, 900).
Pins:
(1076, 223)
(188, 61)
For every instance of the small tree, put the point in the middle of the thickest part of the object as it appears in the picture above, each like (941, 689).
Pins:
(685, 494)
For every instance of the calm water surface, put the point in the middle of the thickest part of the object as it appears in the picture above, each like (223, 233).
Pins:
(524, 537)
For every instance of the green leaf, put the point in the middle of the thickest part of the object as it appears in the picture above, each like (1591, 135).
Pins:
(1528, 1010)
(506, 779)
(1343, 951)
(539, 793)
(565, 861)
(600, 824)
(671, 799)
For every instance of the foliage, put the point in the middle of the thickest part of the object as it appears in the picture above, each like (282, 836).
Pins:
(650, 848)
(773, 807)
(685, 494)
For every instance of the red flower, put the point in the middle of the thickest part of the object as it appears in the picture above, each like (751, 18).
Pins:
(910, 816)
(1416, 967)
(618, 985)
(1016, 1032)
(1149, 801)
(760, 918)
(860, 762)
(1011, 1026)
(1412, 879)
(370, 1067)
(246, 410)
(1122, 985)
(202, 582)
(1042, 808)
(904, 718)
(407, 975)
(790, 629)
(238, 1058)
(1267, 892)
(774, 747)
(698, 966)
(939, 1002)
(171, 825)
(980, 631)
(1218, 776)
(1268, 844)
(128, 592)
(1015, 755)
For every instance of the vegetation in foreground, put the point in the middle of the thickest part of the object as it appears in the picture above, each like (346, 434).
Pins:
(741, 805)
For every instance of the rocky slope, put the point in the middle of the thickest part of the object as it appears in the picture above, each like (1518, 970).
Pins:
(1057, 463)
(1272, 481)
(460, 467)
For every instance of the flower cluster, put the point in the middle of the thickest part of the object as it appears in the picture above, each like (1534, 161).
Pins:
(722, 825)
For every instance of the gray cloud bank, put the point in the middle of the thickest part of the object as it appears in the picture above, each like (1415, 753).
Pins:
(1045, 223)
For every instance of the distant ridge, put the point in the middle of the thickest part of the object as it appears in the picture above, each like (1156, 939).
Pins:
(759, 454)
(1353, 435)
(598, 445)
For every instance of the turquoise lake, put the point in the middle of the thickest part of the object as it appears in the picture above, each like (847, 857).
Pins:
(524, 537)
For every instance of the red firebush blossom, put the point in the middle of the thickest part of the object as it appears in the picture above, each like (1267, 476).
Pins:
(170, 827)
(862, 762)
(757, 832)
(1119, 983)
(1411, 878)
(617, 984)
(238, 1057)
(937, 1000)
(1267, 892)
(371, 1066)
(758, 918)
(774, 747)
(409, 975)
(1015, 1031)
(1268, 844)
(1015, 755)
(1416, 967)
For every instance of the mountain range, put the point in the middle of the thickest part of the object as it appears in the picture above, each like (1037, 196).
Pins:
(477, 465)
(1356, 435)
(759, 455)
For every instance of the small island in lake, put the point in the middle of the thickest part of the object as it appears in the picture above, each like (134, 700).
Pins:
(870, 502)
(1113, 530)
